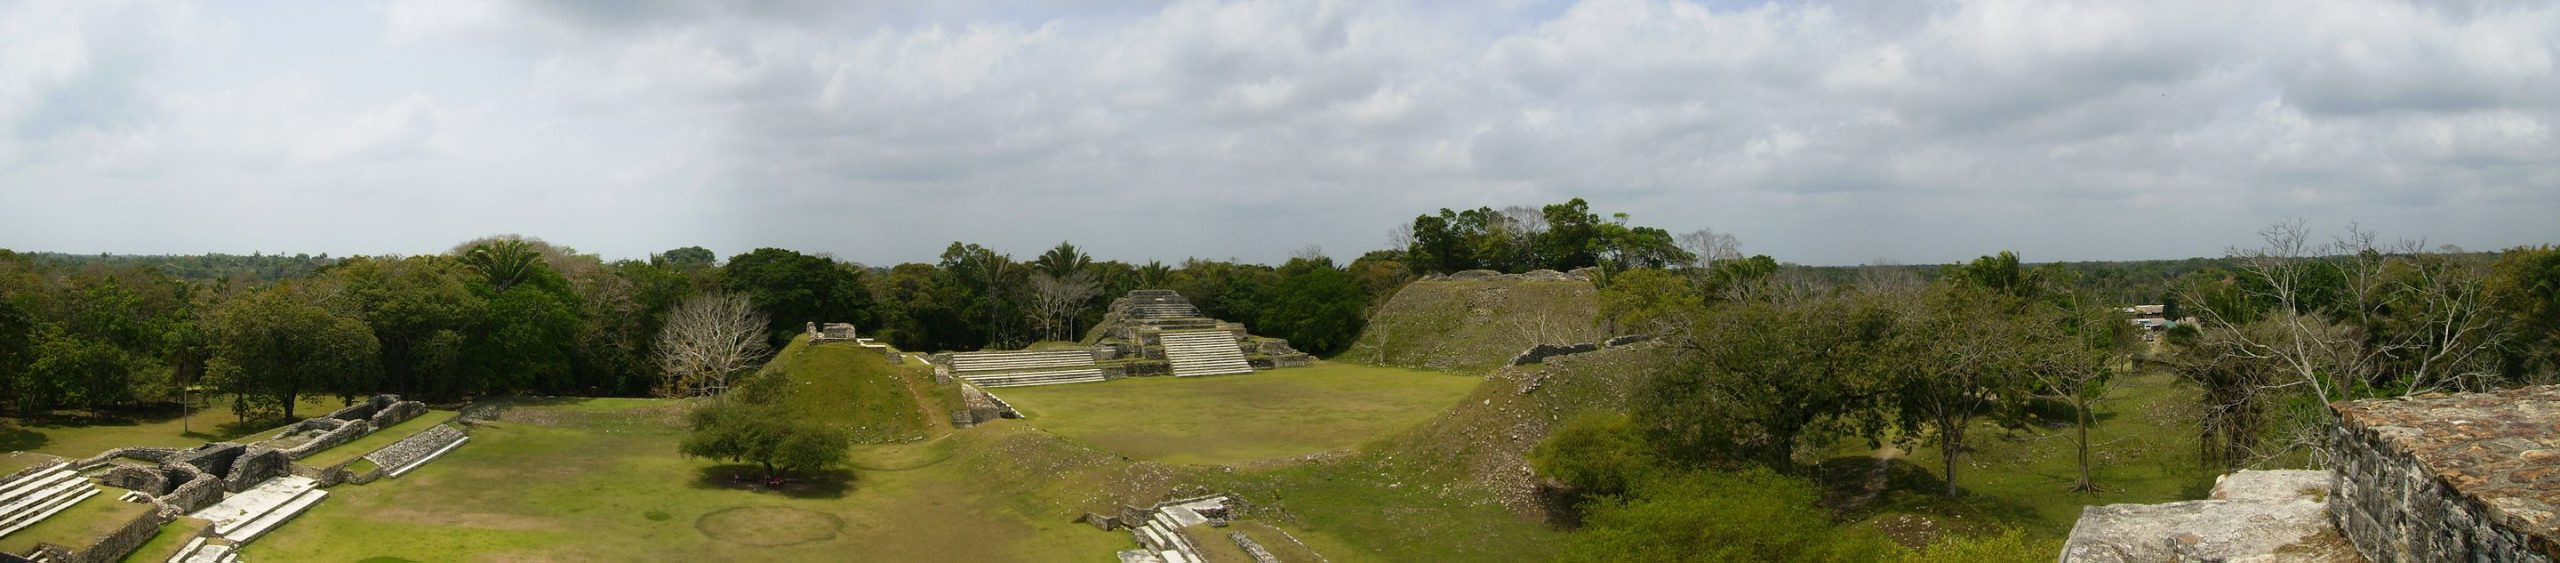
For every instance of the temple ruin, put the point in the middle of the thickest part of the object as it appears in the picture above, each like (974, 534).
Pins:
(1147, 332)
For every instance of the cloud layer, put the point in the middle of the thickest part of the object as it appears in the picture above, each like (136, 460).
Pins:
(1819, 132)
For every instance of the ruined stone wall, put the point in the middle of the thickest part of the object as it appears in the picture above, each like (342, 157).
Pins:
(214, 458)
(346, 431)
(196, 489)
(396, 413)
(256, 465)
(148, 480)
(115, 546)
(2463, 477)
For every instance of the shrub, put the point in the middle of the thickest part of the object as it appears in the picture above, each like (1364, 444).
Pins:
(1594, 454)
(1755, 515)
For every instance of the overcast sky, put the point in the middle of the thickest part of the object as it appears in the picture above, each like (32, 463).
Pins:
(1817, 132)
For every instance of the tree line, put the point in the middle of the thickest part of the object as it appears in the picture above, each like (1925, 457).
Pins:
(514, 315)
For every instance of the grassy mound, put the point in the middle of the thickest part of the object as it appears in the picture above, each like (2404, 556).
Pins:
(1232, 419)
(1475, 325)
(855, 388)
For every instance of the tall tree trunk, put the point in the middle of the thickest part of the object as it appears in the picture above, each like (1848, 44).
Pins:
(2086, 485)
(1948, 448)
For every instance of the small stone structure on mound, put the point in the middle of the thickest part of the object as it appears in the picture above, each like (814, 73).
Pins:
(2437, 477)
(833, 333)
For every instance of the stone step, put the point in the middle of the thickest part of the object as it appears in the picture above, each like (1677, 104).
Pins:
(244, 507)
(39, 480)
(33, 500)
(1047, 378)
(46, 510)
(268, 522)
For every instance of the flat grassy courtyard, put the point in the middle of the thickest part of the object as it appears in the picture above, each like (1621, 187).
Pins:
(600, 480)
(1240, 418)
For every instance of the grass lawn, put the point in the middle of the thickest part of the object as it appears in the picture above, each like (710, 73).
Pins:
(84, 523)
(600, 480)
(1238, 418)
(2143, 451)
(376, 440)
(73, 436)
(171, 538)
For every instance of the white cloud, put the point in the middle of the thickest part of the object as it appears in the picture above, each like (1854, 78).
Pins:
(1819, 132)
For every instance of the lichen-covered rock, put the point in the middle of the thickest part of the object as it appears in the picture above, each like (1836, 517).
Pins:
(2451, 477)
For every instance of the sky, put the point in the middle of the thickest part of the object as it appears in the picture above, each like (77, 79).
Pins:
(1839, 132)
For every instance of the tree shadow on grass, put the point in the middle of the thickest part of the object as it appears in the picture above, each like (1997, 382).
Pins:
(14, 438)
(1851, 486)
(828, 484)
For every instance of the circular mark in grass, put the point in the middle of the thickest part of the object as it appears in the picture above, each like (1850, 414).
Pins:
(769, 526)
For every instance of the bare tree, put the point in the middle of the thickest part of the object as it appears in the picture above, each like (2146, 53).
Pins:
(709, 340)
(1710, 247)
(1057, 300)
(2350, 317)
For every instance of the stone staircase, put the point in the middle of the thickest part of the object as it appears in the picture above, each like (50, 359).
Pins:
(248, 514)
(1203, 353)
(200, 550)
(1162, 534)
(409, 453)
(1019, 369)
(37, 496)
(1025, 379)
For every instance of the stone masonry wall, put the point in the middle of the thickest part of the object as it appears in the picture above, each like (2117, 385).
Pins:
(2462, 477)
(256, 465)
(347, 431)
(397, 413)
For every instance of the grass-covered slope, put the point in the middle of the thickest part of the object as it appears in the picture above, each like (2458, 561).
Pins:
(1241, 418)
(855, 388)
(1475, 325)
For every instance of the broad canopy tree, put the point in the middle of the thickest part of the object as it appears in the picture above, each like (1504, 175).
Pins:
(274, 345)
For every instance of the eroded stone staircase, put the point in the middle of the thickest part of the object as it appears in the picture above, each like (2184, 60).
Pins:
(1208, 352)
(39, 495)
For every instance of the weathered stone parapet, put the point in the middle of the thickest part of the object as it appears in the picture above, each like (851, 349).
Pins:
(2251, 516)
(2459, 477)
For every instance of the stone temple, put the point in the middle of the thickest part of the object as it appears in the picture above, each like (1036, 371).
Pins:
(2437, 477)
(1147, 332)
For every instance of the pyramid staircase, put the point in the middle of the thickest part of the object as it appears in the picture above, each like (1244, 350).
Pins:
(37, 496)
(1205, 352)
(1026, 368)
(245, 515)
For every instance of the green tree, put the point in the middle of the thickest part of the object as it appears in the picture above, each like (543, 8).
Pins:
(1314, 305)
(274, 345)
(754, 427)
(795, 289)
(419, 307)
(92, 374)
(1957, 356)
(687, 258)
(1761, 379)
(1596, 454)
(2524, 287)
